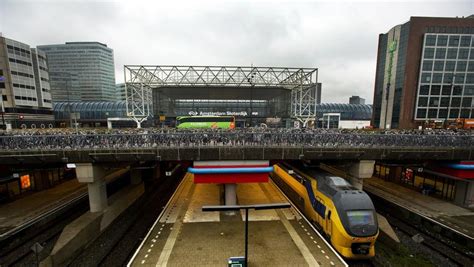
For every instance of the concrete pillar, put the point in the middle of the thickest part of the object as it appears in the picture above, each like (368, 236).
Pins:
(93, 175)
(97, 195)
(469, 201)
(230, 194)
(109, 124)
(361, 170)
(464, 195)
(135, 176)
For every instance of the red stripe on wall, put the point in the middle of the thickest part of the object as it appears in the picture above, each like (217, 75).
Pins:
(233, 178)
(230, 166)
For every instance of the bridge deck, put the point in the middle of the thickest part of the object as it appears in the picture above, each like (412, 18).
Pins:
(184, 235)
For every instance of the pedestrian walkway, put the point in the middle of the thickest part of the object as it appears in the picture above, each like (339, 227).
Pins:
(440, 210)
(186, 236)
(16, 213)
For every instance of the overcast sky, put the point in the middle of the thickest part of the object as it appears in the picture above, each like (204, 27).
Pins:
(338, 37)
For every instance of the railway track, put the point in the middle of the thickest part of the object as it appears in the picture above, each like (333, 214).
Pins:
(116, 245)
(45, 229)
(436, 243)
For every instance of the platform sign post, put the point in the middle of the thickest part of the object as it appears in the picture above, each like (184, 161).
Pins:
(246, 208)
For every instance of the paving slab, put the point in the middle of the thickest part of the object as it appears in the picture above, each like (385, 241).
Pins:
(186, 236)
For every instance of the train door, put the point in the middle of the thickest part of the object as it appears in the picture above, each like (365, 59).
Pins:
(329, 224)
(321, 220)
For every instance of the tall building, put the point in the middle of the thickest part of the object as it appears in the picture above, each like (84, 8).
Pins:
(84, 69)
(425, 72)
(356, 100)
(318, 92)
(24, 85)
(120, 91)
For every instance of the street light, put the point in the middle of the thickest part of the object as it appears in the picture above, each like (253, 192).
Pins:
(252, 85)
(246, 208)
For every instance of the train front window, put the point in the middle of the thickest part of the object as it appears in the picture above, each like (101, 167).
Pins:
(338, 181)
(360, 217)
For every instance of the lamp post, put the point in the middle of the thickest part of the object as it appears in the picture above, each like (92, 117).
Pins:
(252, 85)
(246, 208)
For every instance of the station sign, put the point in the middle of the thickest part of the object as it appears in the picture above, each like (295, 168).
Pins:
(222, 113)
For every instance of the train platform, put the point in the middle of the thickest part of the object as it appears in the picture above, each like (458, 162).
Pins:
(183, 235)
(441, 211)
(20, 211)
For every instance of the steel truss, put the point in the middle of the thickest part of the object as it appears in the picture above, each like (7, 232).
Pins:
(141, 79)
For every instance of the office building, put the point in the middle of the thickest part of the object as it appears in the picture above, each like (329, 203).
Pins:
(120, 91)
(24, 86)
(84, 69)
(425, 72)
(356, 100)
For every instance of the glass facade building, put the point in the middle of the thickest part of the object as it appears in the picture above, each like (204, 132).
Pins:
(424, 73)
(84, 69)
(446, 87)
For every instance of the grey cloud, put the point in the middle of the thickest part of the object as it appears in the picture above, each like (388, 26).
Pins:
(338, 38)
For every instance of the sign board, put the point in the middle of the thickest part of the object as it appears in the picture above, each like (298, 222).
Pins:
(296, 124)
(25, 181)
(162, 118)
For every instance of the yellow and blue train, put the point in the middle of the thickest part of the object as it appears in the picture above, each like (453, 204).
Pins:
(344, 214)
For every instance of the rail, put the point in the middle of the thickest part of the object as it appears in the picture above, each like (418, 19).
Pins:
(43, 216)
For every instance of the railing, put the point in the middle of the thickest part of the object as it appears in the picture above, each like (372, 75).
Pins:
(232, 139)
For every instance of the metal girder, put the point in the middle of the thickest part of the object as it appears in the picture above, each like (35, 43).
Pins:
(141, 79)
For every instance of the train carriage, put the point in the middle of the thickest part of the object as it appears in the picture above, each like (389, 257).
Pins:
(344, 214)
